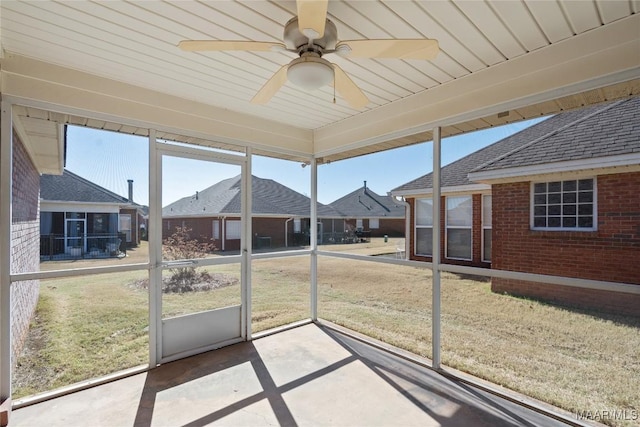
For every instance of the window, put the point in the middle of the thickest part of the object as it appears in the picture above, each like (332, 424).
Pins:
(125, 225)
(359, 225)
(487, 219)
(374, 223)
(424, 227)
(459, 220)
(564, 205)
(216, 229)
(297, 225)
(233, 229)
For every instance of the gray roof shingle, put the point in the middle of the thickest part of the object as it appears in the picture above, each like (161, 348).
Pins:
(367, 204)
(70, 187)
(565, 136)
(268, 198)
(607, 130)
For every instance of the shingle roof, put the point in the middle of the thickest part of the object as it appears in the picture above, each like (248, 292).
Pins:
(70, 187)
(365, 203)
(559, 147)
(268, 198)
(606, 130)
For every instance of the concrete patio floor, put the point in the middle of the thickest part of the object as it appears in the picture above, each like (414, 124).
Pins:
(306, 376)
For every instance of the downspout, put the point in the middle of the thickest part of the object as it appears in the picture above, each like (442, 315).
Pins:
(407, 222)
(222, 232)
(286, 235)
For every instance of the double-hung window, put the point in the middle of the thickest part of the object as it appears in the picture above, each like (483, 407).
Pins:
(233, 229)
(459, 222)
(564, 205)
(424, 227)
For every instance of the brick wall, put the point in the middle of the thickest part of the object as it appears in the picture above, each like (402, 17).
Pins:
(612, 253)
(25, 244)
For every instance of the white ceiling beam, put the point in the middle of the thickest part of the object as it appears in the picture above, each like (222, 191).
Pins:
(606, 55)
(98, 97)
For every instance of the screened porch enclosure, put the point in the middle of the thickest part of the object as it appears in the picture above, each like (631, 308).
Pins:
(77, 310)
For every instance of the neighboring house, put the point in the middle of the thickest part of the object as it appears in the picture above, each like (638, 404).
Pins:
(365, 212)
(280, 215)
(80, 218)
(561, 197)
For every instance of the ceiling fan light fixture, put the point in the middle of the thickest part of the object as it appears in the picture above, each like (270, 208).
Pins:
(310, 72)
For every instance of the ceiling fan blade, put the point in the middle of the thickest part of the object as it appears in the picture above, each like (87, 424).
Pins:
(216, 45)
(312, 15)
(399, 48)
(348, 89)
(272, 86)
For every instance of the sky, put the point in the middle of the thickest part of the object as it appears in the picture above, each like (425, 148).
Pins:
(109, 159)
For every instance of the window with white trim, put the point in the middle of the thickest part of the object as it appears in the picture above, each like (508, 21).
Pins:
(359, 225)
(459, 218)
(216, 229)
(124, 226)
(487, 218)
(374, 223)
(297, 225)
(233, 229)
(564, 205)
(424, 227)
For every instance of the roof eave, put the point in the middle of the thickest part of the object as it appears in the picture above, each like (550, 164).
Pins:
(598, 166)
(454, 189)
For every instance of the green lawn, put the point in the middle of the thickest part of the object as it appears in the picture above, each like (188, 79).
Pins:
(579, 361)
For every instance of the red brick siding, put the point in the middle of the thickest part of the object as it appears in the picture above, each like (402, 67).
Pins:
(25, 244)
(476, 233)
(202, 229)
(612, 253)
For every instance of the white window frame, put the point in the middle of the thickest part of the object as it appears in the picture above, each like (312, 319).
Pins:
(359, 225)
(416, 226)
(594, 203)
(233, 229)
(215, 232)
(297, 225)
(457, 227)
(486, 225)
(374, 223)
(121, 229)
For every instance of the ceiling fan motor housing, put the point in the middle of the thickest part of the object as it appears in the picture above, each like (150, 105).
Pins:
(295, 40)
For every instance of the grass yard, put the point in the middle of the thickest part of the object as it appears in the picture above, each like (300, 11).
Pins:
(579, 361)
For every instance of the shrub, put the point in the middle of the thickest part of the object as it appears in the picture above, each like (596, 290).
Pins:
(179, 246)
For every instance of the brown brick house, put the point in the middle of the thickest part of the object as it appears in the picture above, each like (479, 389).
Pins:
(280, 215)
(80, 218)
(364, 210)
(559, 198)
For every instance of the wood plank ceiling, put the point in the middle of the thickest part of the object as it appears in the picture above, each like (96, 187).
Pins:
(135, 42)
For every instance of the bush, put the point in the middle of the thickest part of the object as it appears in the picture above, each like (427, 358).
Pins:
(179, 246)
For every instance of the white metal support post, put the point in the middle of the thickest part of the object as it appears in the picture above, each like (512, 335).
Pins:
(435, 303)
(155, 252)
(6, 160)
(314, 239)
(246, 209)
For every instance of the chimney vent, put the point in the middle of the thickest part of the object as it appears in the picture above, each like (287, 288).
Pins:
(130, 181)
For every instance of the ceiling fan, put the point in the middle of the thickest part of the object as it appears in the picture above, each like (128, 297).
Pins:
(312, 35)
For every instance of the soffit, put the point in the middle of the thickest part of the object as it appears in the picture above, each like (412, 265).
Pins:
(135, 43)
